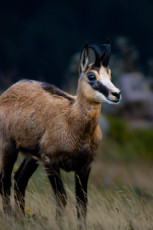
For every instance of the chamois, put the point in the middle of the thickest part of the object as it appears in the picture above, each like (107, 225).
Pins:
(60, 130)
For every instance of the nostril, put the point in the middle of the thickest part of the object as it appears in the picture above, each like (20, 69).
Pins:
(117, 94)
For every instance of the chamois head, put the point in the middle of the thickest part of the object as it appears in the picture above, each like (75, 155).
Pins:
(96, 76)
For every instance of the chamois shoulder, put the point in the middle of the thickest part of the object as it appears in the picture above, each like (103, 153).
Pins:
(56, 91)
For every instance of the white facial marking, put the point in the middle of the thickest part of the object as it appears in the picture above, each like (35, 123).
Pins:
(100, 97)
(105, 80)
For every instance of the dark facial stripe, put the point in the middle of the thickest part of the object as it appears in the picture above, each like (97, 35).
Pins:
(100, 87)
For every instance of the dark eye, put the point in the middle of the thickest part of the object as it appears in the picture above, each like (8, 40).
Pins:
(91, 77)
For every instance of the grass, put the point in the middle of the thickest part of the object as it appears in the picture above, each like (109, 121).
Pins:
(120, 188)
(112, 204)
(117, 209)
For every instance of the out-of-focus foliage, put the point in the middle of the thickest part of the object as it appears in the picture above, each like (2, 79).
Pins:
(124, 143)
(39, 37)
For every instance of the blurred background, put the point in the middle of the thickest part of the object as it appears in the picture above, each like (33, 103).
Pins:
(42, 40)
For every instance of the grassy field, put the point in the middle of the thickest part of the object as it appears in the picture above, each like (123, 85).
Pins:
(118, 199)
(120, 189)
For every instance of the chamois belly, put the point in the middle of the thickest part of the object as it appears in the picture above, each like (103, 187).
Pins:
(77, 161)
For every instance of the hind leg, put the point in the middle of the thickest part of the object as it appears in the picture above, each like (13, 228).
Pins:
(8, 159)
(22, 176)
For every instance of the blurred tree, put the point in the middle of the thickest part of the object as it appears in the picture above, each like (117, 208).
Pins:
(39, 37)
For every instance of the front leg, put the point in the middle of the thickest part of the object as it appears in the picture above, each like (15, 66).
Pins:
(81, 180)
(54, 176)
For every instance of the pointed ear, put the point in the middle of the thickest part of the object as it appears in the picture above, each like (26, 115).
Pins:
(84, 59)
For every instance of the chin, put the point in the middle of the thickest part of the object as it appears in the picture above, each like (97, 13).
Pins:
(108, 101)
(112, 102)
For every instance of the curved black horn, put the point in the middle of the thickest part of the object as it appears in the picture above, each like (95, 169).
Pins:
(97, 55)
(106, 55)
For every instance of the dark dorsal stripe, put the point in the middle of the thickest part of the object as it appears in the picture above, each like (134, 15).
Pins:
(100, 87)
(55, 91)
